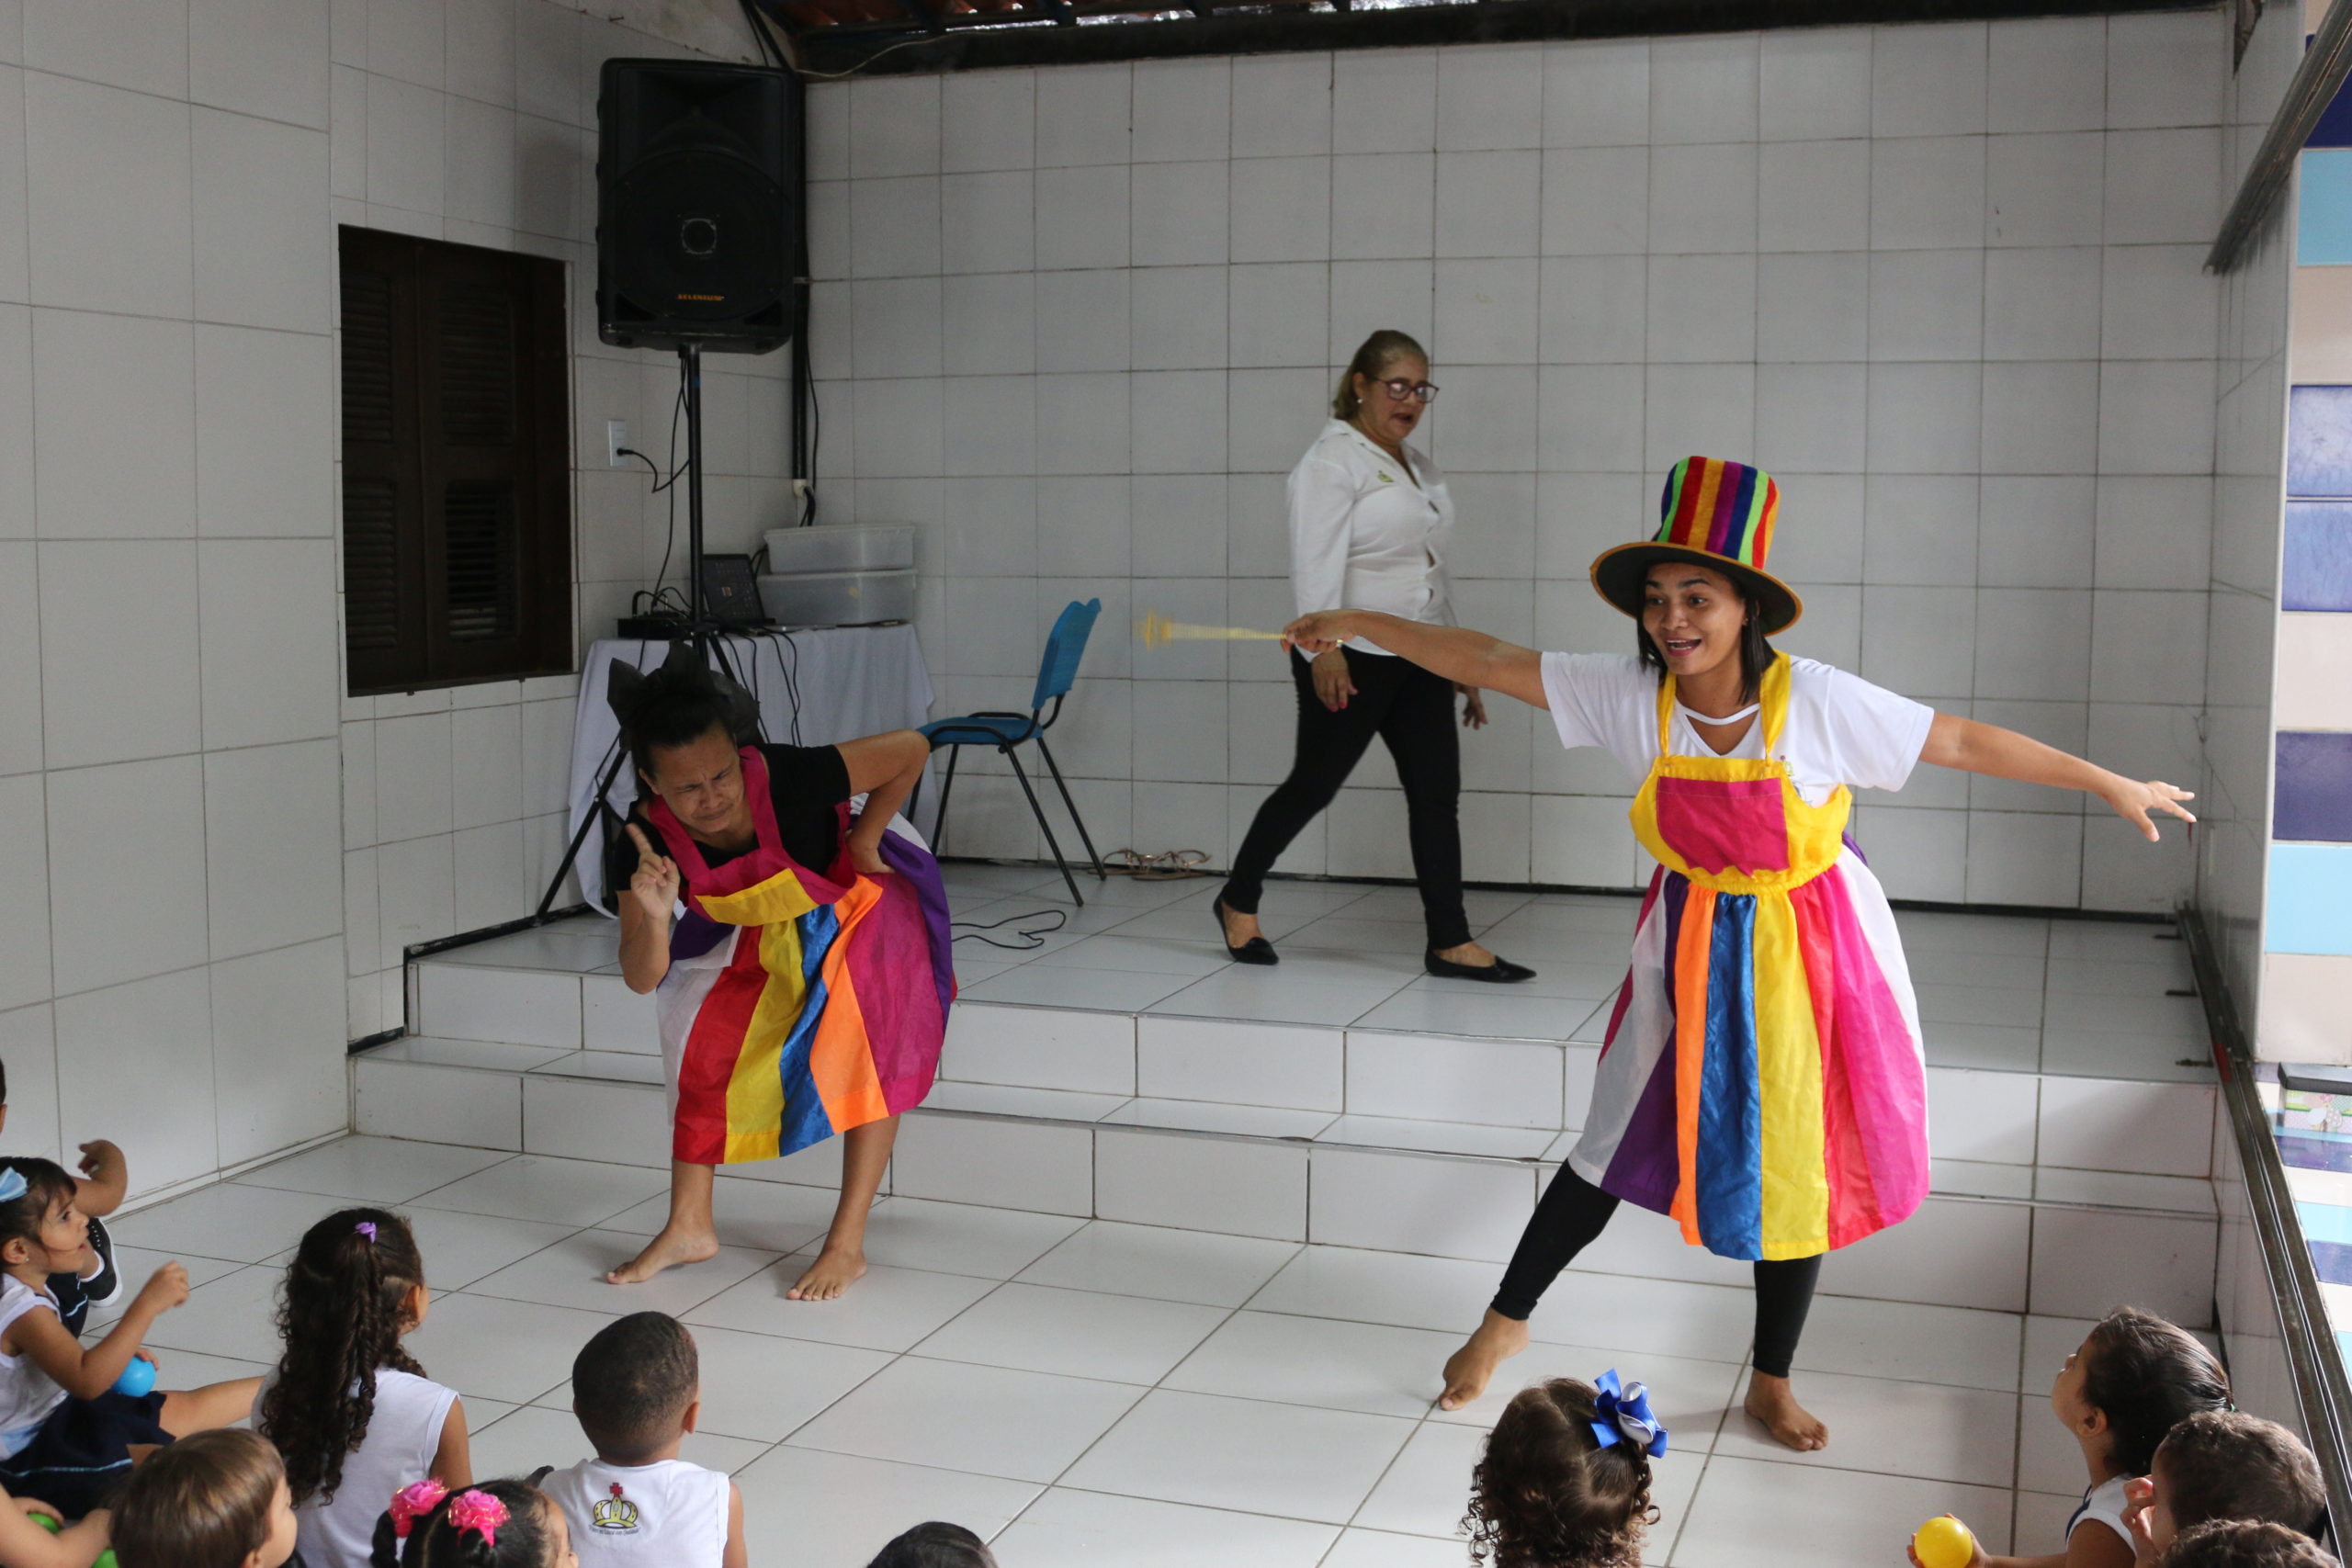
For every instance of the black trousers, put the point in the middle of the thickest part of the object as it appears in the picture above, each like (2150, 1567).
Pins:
(1571, 1214)
(1412, 711)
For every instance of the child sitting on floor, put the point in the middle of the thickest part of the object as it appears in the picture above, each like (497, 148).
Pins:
(637, 1389)
(2131, 1381)
(68, 1437)
(499, 1524)
(1564, 1482)
(2243, 1543)
(352, 1412)
(936, 1545)
(215, 1500)
(105, 1176)
(2224, 1464)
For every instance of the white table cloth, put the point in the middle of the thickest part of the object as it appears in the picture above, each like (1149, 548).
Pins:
(852, 680)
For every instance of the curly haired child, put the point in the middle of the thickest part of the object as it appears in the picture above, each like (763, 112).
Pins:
(2224, 1464)
(352, 1412)
(1549, 1493)
(68, 1438)
(214, 1500)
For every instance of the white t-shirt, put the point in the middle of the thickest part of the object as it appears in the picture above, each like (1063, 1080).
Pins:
(1369, 533)
(27, 1394)
(669, 1513)
(1841, 729)
(2106, 1503)
(403, 1434)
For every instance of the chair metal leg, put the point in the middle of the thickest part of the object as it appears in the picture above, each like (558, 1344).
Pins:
(1038, 808)
(947, 788)
(1084, 837)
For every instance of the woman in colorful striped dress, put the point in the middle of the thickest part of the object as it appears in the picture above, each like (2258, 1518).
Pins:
(1763, 1082)
(803, 988)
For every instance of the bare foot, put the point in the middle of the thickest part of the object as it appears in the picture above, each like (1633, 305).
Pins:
(1771, 1402)
(1498, 1338)
(835, 1270)
(1240, 929)
(1469, 953)
(672, 1246)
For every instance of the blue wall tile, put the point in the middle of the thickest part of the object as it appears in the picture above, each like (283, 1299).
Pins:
(2335, 127)
(2310, 904)
(2319, 442)
(2315, 570)
(2323, 211)
(2314, 801)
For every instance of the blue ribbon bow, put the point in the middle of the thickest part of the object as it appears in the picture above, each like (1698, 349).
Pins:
(1626, 1415)
(12, 1185)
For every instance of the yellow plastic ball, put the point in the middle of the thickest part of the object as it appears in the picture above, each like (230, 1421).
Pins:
(1944, 1542)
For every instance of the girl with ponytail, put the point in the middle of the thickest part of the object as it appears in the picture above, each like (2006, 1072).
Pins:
(499, 1524)
(354, 1414)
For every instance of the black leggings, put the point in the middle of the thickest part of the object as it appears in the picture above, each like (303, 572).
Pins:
(1412, 711)
(1573, 1212)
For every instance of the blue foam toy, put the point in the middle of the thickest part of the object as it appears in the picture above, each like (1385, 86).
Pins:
(137, 1380)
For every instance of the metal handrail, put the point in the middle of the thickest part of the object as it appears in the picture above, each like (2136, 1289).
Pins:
(2317, 80)
(2322, 1389)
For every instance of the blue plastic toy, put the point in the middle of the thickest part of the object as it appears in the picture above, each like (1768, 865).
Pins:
(137, 1380)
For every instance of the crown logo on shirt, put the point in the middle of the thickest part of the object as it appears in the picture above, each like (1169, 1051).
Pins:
(615, 1515)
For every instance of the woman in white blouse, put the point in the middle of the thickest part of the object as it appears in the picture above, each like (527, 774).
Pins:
(1369, 523)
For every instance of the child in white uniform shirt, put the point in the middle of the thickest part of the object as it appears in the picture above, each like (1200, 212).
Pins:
(637, 1389)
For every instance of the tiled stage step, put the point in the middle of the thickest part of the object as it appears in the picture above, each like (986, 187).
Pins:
(2055, 1192)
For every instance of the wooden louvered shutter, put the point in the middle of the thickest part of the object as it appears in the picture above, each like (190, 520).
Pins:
(456, 524)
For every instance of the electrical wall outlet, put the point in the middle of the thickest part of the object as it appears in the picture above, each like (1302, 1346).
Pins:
(616, 437)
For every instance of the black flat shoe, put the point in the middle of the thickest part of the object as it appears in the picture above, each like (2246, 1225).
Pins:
(1257, 950)
(1501, 971)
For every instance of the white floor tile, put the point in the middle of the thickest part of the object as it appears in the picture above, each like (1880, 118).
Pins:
(984, 1420)
(1762, 1515)
(1104, 990)
(889, 1309)
(1236, 995)
(373, 1171)
(1374, 1367)
(806, 1506)
(1691, 1396)
(758, 1387)
(1159, 1264)
(569, 948)
(1068, 1529)
(958, 1239)
(766, 1216)
(1441, 1293)
(1283, 1459)
(1137, 954)
(1935, 1431)
(1494, 1012)
(510, 1350)
(552, 1191)
(1427, 1488)
(1042, 1328)
(571, 1273)
(1666, 1317)
(1377, 1549)
(136, 1265)
(459, 1248)
(520, 1443)
(1925, 1344)
(232, 1316)
(244, 1224)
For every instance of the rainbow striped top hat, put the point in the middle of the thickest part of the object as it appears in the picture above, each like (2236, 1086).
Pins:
(1719, 514)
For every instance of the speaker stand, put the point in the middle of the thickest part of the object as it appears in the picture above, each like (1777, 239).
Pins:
(708, 635)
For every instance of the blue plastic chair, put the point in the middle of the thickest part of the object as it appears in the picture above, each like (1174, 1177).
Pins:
(1057, 671)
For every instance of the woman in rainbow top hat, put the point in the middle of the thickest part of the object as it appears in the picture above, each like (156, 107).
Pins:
(1763, 1082)
(802, 989)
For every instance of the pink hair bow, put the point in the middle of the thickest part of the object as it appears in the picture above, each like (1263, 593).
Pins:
(473, 1511)
(417, 1497)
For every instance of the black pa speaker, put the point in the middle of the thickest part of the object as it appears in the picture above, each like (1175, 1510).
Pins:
(697, 205)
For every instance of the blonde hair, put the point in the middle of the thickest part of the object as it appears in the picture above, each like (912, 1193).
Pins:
(1373, 355)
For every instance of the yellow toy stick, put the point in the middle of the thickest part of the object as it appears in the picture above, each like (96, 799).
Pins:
(1156, 630)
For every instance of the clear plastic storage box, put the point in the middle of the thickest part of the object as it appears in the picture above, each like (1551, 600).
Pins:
(839, 598)
(836, 548)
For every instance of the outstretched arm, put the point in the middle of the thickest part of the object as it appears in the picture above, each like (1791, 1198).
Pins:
(1973, 747)
(1472, 659)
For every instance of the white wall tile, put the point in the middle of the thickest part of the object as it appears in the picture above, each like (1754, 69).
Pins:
(1282, 104)
(1004, 1165)
(2048, 75)
(1504, 1083)
(2146, 647)
(98, 705)
(29, 1046)
(1278, 313)
(1927, 305)
(2158, 303)
(25, 961)
(479, 185)
(478, 51)
(393, 1099)
(138, 44)
(1949, 1254)
(1490, 97)
(2023, 858)
(265, 57)
(1813, 307)
(135, 1065)
(271, 818)
(1233, 1188)
(1927, 193)
(1810, 417)
(1981, 1116)
(1814, 84)
(277, 1019)
(1927, 81)
(20, 738)
(1184, 109)
(2086, 1260)
(1278, 1065)
(2031, 644)
(1920, 530)
(1704, 89)
(894, 126)
(1280, 208)
(2041, 417)
(1919, 641)
(2041, 303)
(1702, 198)
(2043, 190)
(1813, 196)
(1698, 408)
(414, 779)
(96, 376)
(1083, 115)
(408, 38)
(133, 823)
(267, 635)
(1925, 419)
(1383, 101)
(578, 1119)
(1408, 1203)
(1180, 213)
(2155, 533)
(491, 887)
(995, 117)
(486, 756)
(989, 324)
(2160, 71)
(1383, 204)
(2163, 186)
(406, 135)
(263, 433)
(1596, 201)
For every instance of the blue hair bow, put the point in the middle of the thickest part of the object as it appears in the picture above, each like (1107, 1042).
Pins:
(12, 1185)
(1626, 1415)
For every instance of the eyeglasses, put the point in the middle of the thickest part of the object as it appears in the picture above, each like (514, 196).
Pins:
(1400, 389)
